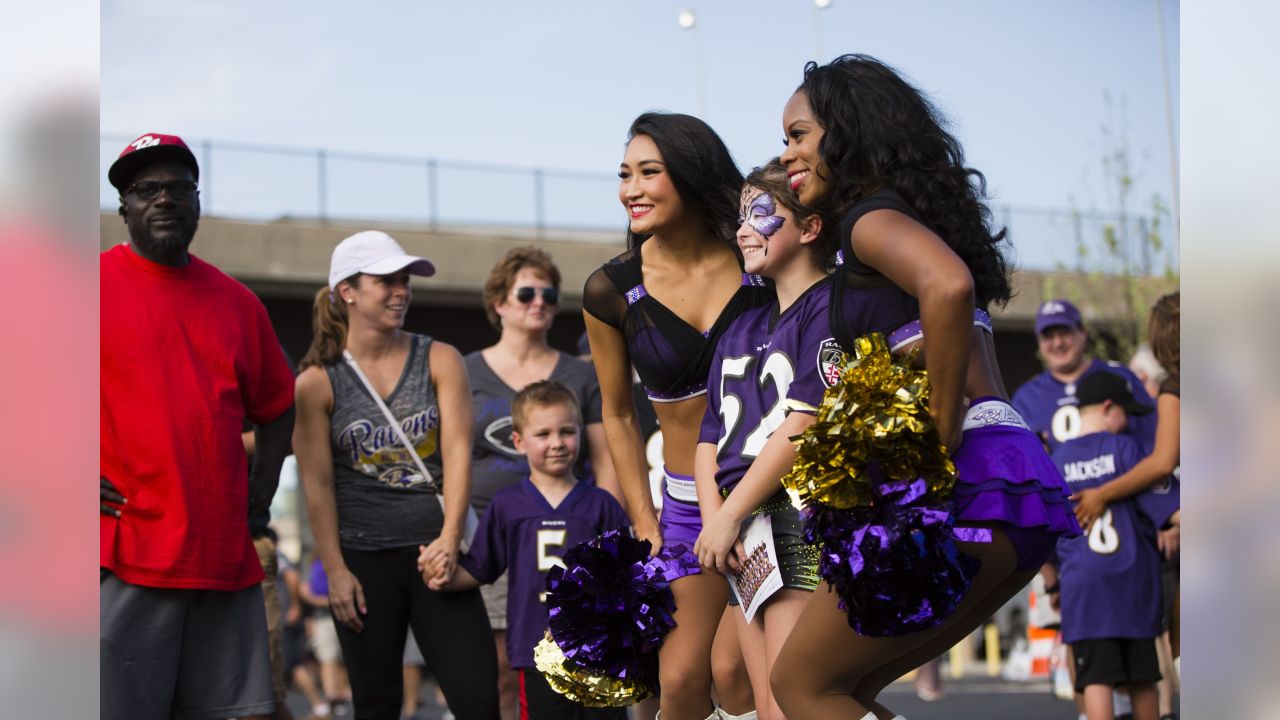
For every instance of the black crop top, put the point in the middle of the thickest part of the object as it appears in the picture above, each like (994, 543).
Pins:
(867, 301)
(672, 357)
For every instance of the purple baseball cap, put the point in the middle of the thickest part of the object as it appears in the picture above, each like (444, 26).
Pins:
(1057, 312)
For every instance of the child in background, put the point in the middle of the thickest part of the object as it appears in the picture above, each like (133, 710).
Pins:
(1110, 577)
(525, 530)
(1164, 331)
(1163, 327)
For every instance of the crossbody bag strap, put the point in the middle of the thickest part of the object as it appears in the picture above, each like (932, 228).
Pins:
(395, 424)
(471, 522)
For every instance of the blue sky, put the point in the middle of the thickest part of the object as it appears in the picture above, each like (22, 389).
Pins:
(555, 84)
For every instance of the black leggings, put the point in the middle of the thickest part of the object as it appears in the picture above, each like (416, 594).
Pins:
(452, 630)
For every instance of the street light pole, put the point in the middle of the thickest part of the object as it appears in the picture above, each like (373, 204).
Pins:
(1168, 120)
(818, 7)
(689, 21)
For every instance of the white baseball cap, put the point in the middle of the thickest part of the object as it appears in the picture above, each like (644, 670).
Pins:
(373, 252)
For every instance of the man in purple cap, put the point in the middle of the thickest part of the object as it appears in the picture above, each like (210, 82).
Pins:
(1048, 401)
(187, 354)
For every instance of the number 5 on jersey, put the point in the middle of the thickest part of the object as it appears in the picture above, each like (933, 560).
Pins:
(547, 541)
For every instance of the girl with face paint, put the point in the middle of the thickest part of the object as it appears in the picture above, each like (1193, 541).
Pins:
(768, 376)
(872, 153)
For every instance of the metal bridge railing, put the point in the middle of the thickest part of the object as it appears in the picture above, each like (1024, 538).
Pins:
(265, 182)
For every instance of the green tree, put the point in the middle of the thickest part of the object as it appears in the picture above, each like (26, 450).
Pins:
(1127, 263)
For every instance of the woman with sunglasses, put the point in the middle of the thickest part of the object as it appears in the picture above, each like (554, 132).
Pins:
(661, 307)
(521, 296)
(370, 501)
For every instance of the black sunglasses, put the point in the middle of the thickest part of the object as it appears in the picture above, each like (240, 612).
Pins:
(550, 296)
(149, 190)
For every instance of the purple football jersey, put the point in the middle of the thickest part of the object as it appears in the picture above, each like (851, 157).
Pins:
(1110, 576)
(1050, 407)
(766, 363)
(1161, 500)
(522, 534)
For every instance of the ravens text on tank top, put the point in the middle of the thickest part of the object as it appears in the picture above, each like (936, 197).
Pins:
(383, 499)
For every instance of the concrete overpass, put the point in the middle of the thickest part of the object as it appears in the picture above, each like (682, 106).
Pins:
(286, 261)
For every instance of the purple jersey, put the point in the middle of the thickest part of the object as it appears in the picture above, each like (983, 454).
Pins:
(522, 534)
(1111, 575)
(1050, 407)
(766, 364)
(1161, 500)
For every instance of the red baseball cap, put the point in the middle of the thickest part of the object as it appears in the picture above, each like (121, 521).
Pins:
(148, 149)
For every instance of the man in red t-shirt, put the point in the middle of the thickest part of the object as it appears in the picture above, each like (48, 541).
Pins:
(187, 353)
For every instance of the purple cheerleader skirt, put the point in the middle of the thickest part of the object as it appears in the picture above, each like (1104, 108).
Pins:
(1007, 477)
(681, 520)
(680, 523)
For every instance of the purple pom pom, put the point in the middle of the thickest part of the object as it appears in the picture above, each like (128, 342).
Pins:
(894, 564)
(676, 561)
(610, 606)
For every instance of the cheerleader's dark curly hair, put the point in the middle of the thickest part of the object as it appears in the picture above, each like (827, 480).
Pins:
(881, 132)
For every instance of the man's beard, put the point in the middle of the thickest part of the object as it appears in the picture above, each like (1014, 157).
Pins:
(165, 247)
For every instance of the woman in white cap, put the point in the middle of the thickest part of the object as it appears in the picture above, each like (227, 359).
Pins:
(384, 453)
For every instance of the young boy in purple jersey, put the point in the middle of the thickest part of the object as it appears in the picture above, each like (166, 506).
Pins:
(1109, 578)
(525, 530)
(767, 378)
(1048, 401)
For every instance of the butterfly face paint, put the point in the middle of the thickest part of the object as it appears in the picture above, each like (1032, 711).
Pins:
(760, 216)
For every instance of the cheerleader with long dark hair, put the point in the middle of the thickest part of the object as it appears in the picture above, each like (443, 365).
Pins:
(661, 307)
(921, 265)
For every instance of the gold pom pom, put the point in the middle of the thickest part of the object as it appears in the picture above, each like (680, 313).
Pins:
(877, 414)
(581, 685)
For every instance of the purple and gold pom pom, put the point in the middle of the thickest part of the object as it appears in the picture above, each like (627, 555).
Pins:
(895, 565)
(609, 608)
(581, 685)
(876, 415)
(875, 482)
